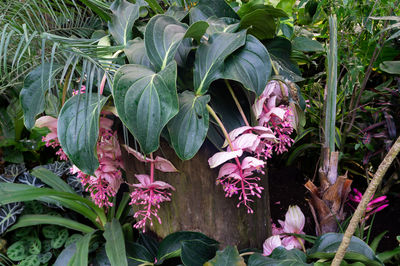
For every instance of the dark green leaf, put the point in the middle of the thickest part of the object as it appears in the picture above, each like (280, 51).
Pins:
(65, 256)
(250, 65)
(196, 252)
(176, 12)
(259, 23)
(188, 128)
(210, 56)
(300, 150)
(45, 257)
(171, 245)
(149, 243)
(137, 254)
(51, 179)
(8, 215)
(81, 255)
(391, 67)
(196, 30)
(305, 44)
(32, 95)
(259, 4)
(227, 257)
(222, 25)
(146, 101)
(124, 16)
(115, 243)
(374, 244)
(59, 241)
(208, 8)
(31, 260)
(28, 220)
(34, 245)
(387, 255)
(279, 257)
(162, 38)
(78, 130)
(16, 251)
(136, 53)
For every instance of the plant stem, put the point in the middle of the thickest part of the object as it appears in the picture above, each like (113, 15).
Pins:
(237, 103)
(362, 206)
(213, 114)
(65, 87)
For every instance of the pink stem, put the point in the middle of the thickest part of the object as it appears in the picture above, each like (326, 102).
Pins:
(103, 84)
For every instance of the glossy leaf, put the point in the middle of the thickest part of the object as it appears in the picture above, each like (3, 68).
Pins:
(210, 56)
(124, 16)
(208, 8)
(196, 252)
(259, 4)
(51, 179)
(260, 24)
(189, 127)
(279, 257)
(146, 101)
(305, 44)
(162, 38)
(391, 67)
(29, 220)
(32, 95)
(115, 243)
(66, 255)
(8, 215)
(176, 12)
(326, 245)
(197, 30)
(78, 130)
(171, 245)
(137, 254)
(249, 65)
(81, 255)
(227, 257)
(136, 53)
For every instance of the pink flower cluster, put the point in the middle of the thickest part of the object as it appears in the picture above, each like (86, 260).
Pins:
(374, 206)
(149, 194)
(271, 113)
(275, 124)
(293, 224)
(108, 177)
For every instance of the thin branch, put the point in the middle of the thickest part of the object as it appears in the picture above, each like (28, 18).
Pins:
(362, 206)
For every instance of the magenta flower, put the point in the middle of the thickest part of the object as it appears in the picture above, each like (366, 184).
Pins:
(374, 206)
(51, 138)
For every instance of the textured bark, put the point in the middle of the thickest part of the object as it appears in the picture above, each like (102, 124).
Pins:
(198, 204)
(362, 206)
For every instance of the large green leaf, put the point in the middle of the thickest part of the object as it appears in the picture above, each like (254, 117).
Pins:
(115, 243)
(51, 179)
(162, 37)
(189, 127)
(171, 245)
(250, 65)
(391, 67)
(196, 252)
(124, 16)
(196, 30)
(81, 255)
(279, 257)
(222, 25)
(259, 23)
(259, 5)
(32, 95)
(137, 254)
(208, 8)
(35, 219)
(305, 44)
(227, 257)
(136, 53)
(210, 57)
(326, 246)
(78, 130)
(146, 101)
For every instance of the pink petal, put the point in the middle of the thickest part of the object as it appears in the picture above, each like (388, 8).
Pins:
(271, 103)
(294, 220)
(291, 242)
(234, 133)
(164, 165)
(270, 244)
(258, 107)
(227, 169)
(279, 112)
(47, 121)
(137, 154)
(245, 141)
(106, 123)
(161, 185)
(379, 199)
(143, 179)
(262, 130)
(221, 157)
(251, 162)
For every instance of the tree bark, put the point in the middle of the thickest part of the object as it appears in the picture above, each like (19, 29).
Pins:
(198, 204)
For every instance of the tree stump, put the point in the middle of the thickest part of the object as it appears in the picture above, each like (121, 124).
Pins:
(198, 204)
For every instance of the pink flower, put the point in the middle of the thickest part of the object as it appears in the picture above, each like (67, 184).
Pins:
(149, 195)
(51, 139)
(221, 157)
(293, 224)
(374, 206)
(270, 244)
(82, 90)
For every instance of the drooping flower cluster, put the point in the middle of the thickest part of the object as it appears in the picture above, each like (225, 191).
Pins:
(51, 138)
(271, 112)
(374, 206)
(108, 177)
(275, 125)
(293, 224)
(149, 194)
